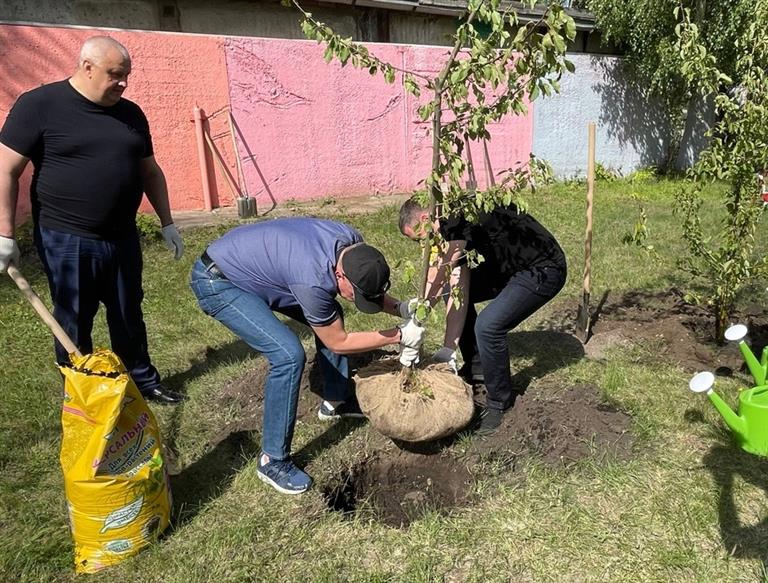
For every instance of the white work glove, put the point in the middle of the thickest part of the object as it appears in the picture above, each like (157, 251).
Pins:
(173, 240)
(407, 309)
(409, 356)
(9, 253)
(411, 334)
(411, 339)
(448, 356)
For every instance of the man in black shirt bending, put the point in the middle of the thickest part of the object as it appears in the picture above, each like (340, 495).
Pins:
(523, 268)
(93, 158)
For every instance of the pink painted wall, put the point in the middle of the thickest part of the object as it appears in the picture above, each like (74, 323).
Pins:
(312, 129)
(306, 129)
(171, 73)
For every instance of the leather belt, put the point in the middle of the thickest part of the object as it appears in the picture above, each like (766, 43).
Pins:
(211, 267)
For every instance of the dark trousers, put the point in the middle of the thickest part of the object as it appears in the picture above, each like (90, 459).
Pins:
(84, 272)
(484, 337)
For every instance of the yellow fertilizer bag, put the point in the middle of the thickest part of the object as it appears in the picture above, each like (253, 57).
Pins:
(115, 479)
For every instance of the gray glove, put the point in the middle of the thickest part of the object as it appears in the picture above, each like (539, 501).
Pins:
(407, 309)
(446, 355)
(173, 240)
(9, 253)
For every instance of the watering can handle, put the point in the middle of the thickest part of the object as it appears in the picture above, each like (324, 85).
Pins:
(42, 311)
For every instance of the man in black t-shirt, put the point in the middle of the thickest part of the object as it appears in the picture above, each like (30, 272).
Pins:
(93, 158)
(523, 267)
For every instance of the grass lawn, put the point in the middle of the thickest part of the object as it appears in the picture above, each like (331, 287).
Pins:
(686, 506)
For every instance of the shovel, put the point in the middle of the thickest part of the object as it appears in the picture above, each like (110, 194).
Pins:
(582, 315)
(246, 206)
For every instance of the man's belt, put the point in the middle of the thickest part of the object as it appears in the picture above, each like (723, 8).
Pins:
(210, 266)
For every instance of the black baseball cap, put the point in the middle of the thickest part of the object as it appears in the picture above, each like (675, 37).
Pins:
(367, 270)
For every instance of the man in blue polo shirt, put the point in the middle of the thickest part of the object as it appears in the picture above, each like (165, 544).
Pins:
(297, 267)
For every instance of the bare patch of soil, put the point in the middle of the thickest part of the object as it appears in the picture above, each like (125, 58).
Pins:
(684, 332)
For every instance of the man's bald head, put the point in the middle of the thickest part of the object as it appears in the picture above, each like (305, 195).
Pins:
(98, 49)
(103, 69)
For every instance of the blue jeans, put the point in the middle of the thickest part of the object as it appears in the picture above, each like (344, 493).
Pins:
(84, 272)
(484, 336)
(250, 318)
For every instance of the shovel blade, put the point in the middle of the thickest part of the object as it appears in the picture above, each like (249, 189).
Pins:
(583, 319)
(246, 207)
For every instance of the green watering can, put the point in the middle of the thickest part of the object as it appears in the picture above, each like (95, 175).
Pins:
(750, 426)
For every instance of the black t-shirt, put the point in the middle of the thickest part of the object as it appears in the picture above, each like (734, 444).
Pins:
(508, 240)
(86, 157)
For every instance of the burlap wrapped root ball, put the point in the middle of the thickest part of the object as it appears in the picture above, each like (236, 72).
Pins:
(429, 403)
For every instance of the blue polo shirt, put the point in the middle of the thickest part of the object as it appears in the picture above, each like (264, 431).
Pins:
(287, 262)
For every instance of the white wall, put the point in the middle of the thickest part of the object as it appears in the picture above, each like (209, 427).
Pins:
(631, 130)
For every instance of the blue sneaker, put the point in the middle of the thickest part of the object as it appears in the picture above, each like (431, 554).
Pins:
(283, 475)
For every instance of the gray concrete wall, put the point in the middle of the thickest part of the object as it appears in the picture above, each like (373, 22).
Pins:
(265, 19)
(421, 29)
(631, 131)
(139, 14)
(258, 18)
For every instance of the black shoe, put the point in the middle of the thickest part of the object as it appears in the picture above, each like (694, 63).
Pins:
(489, 421)
(349, 409)
(163, 396)
(472, 374)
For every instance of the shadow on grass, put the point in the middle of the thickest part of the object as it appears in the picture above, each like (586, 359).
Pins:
(328, 438)
(725, 463)
(237, 350)
(550, 351)
(209, 476)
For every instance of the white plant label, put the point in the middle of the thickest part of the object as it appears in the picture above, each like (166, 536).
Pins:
(123, 516)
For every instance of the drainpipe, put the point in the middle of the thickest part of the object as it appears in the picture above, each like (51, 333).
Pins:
(197, 114)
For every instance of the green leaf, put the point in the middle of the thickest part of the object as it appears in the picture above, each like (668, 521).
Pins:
(425, 111)
(344, 55)
(570, 28)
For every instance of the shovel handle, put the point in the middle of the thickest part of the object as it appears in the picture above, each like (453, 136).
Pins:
(590, 197)
(42, 311)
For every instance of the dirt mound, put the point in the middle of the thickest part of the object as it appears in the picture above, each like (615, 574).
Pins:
(562, 427)
(397, 482)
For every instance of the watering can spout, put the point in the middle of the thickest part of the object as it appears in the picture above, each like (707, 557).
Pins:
(703, 383)
(757, 369)
(735, 422)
